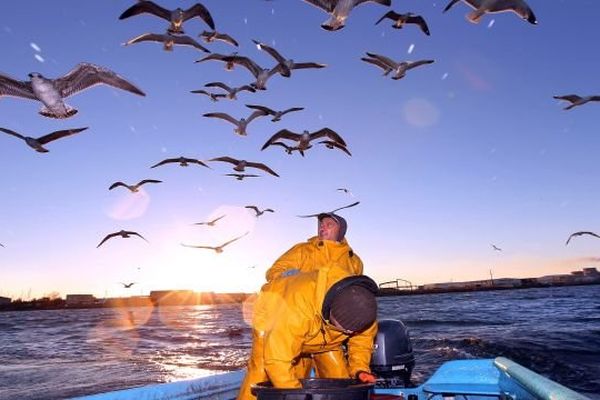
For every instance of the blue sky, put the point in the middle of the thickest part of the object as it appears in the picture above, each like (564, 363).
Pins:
(468, 151)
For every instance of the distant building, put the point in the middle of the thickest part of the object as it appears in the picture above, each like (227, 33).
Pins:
(4, 301)
(80, 300)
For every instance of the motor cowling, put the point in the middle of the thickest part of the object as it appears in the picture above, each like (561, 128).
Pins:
(392, 359)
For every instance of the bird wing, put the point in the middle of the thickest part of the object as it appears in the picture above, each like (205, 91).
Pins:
(218, 218)
(117, 184)
(13, 133)
(376, 62)
(255, 114)
(569, 97)
(140, 183)
(228, 39)
(253, 208)
(581, 233)
(337, 146)
(415, 64)
(196, 161)
(59, 134)
(246, 87)
(326, 5)
(292, 109)
(330, 133)
(262, 166)
(264, 109)
(348, 206)
(519, 7)
(219, 85)
(385, 60)
(282, 134)
(197, 247)
(136, 234)
(233, 240)
(419, 21)
(247, 63)
(200, 11)
(268, 210)
(188, 41)
(305, 65)
(452, 3)
(213, 56)
(271, 51)
(110, 235)
(594, 98)
(146, 6)
(165, 161)
(279, 144)
(224, 116)
(226, 159)
(15, 88)
(147, 37)
(390, 14)
(86, 75)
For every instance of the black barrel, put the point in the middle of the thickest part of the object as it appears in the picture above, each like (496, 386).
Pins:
(316, 389)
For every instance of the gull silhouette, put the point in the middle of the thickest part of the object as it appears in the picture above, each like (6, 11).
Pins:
(286, 65)
(209, 37)
(176, 17)
(213, 96)
(241, 177)
(388, 65)
(495, 247)
(276, 114)
(218, 249)
(340, 10)
(167, 40)
(183, 162)
(261, 74)
(227, 59)
(37, 144)
(133, 188)
(52, 92)
(304, 138)
(402, 19)
(259, 212)
(241, 124)
(482, 7)
(231, 92)
(128, 285)
(241, 165)
(210, 223)
(579, 234)
(576, 100)
(122, 233)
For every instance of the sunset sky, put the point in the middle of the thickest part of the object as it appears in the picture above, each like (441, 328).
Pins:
(466, 152)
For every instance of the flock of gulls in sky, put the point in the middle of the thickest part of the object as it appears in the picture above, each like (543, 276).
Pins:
(53, 92)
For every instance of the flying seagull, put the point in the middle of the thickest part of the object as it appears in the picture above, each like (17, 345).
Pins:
(183, 162)
(52, 92)
(218, 249)
(331, 144)
(176, 17)
(482, 7)
(128, 285)
(210, 223)
(259, 212)
(332, 211)
(286, 65)
(288, 149)
(241, 177)
(579, 234)
(122, 233)
(388, 65)
(304, 138)
(402, 19)
(209, 37)
(345, 190)
(168, 40)
(276, 114)
(496, 247)
(241, 124)
(227, 59)
(37, 144)
(231, 92)
(241, 165)
(133, 188)
(213, 96)
(576, 100)
(340, 10)
(261, 74)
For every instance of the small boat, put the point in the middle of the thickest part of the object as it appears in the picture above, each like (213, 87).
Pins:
(471, 379)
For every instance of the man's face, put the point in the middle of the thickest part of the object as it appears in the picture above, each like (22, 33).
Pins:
(328, 229)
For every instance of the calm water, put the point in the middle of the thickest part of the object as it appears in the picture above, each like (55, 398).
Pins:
(58, 354)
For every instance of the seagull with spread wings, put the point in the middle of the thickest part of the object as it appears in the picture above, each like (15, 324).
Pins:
(402, 19)
(388, 65)
(122, 233)
(183, 162)
(241, 165)
(496, 247)
(579, 234)
(168, 40)
(133, 188)
(38, 144)
(176, 17)
(482, 7)
(231, 92)
(576, 100)
(304, 138)
(210, 37)
(259, 212)
(261, 74)
(218, 249)
(52, 92)
(286, 65)
(213, 96)
(210, 223)
(127, 285)
(276, 114)
(340, 10)
(241, 124)
(241, 177)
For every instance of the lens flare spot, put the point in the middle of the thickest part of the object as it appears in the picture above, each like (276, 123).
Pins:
(129, 206)
(420, 113)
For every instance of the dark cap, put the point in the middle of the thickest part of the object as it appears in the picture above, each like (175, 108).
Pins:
(352, 302)
(338, 220)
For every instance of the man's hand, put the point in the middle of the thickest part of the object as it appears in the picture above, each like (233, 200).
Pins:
(366, 377)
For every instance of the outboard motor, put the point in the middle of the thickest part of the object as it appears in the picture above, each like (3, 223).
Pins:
(392, 358)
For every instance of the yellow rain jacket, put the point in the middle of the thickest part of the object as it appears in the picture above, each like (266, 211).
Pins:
(315, 253)
(290, 332)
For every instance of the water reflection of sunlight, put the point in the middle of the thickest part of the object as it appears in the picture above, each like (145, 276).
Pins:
(129, 205)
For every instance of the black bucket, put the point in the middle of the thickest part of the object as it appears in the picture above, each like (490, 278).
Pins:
(316, 389)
